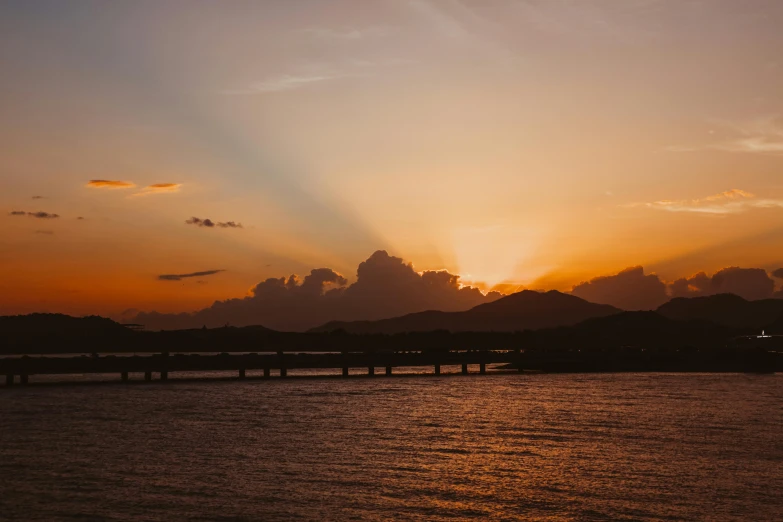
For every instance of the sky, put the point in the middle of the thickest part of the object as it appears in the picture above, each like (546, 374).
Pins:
(166, 155)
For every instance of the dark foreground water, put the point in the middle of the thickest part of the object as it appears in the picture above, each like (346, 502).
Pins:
(495, 447)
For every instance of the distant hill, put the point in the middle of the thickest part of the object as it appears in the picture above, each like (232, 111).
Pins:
(649, 330)
(18, 333)
(526, 310)
(57, 323)
(725, 309)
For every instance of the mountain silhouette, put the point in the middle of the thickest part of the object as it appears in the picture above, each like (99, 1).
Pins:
(647, 329)
(57, 324)
(23, 332)
(526, 310)
(725, 309)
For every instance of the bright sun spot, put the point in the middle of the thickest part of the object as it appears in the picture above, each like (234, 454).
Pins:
(494, 254)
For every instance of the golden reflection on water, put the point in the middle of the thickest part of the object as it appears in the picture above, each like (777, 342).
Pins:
(534, 447)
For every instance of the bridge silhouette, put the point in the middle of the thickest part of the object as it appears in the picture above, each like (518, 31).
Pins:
(280, 362)
(163, 364)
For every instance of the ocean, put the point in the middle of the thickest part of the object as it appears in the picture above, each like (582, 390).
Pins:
(494, 447)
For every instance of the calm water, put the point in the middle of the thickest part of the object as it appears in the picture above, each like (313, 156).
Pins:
(560, 447)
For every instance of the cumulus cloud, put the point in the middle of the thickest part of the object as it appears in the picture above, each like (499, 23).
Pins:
(630, 289)
(110, 184)
(732, 201)
(159, 188)
(208, 223)
(180, 277)
(385, 286)
(749, 283)
(39, 214)
(778, 273)
(37, 197)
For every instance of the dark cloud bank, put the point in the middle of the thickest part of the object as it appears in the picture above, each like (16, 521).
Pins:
(386, 286)
(632, 289)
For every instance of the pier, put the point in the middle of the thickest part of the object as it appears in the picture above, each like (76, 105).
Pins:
(161, 366)
(381, 364)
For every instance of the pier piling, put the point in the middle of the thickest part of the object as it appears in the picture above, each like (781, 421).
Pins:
(371, 370)
(9, 379)
(147, 376)
(483, 368)
(388, 370)
(437, 369)
(283, 372)
(23, 378)
(464, 369)
(266, 373)
(124, 376)
(164, 376)
(345, 371)
(241, 374)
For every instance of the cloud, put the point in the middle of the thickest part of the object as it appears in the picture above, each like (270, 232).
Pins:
(732, 201)
(778, 273)
(313, 74)
(45, 232)
(39, 214)
(385, 286)
(180, 277)
(284, 82)
(208, 223)
(159, 188)
(346, 34)
(37, 197)
(763, 135)
(79, 217)
(749, 283)
(43, 215)
(630, 289)
(229, 224)
(110, 184)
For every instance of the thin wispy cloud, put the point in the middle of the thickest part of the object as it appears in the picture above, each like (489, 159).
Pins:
(180, 277)
(310, 75)
(158, 188)
(732, 201)
(758, 136)
(38, 215)
(329, 33)
(441, 19)
(110, 184)
(284, 82)
(208, 223)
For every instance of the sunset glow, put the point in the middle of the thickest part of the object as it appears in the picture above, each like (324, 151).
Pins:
(516, 144)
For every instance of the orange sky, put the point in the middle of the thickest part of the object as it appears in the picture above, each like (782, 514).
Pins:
(535, 143)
